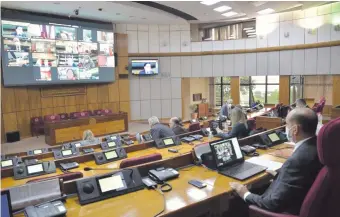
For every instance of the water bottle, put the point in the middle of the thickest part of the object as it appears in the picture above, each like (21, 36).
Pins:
(210, 136)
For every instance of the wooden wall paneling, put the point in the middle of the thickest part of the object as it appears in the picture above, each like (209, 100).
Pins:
(93, 106)
(114, 106)
(21, 99)
(336, 90)
(284, 89)
(113, 89)
(81, 107)
(104, 105)
(92, 94)
(2, 130)
(71, 100)
(124, 90)
(123, 66)
(47, 111)
(7, 100)
(58, 101)
(121, 44)
(235, 89)
(34, 98)
(103, 93)
(81, 100)
(23, 122)
(125, 107)
(58, 110)
(10, 122)
(69, 109)
(46, 102)
(35, 113)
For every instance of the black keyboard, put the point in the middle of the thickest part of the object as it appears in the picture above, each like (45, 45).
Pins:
(243, 171)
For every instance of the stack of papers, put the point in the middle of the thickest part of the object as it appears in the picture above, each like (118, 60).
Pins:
(271, 165)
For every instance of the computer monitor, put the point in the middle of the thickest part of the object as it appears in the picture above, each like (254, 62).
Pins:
(273, 137)
(168, 141)
(6, 206)
(226, 152)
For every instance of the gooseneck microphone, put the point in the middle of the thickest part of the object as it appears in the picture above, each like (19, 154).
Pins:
(90, 168)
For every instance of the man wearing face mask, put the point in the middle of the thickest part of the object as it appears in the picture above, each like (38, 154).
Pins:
(290, 186)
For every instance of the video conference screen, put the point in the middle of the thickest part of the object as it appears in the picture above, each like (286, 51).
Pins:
(43, 54)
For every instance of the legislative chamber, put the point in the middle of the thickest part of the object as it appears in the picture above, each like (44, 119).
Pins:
(170, 108)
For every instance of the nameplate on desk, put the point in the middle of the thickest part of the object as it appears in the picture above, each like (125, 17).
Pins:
(37, 151)
(167, 142)
(109, 156)
(113, 184)
(26, 171)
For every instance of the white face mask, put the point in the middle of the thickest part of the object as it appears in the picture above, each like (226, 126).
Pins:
(289, 136)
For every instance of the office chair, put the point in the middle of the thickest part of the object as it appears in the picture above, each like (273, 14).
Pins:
(194, 127)
(140, 160)
(37, 126)
(63, 116)
(322, 199)
(318, 108)
(51, 118)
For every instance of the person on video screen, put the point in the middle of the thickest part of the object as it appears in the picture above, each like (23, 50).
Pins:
(147, 69)
(71, 75)
(19, 32)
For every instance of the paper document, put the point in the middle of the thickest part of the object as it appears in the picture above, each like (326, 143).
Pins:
(271, 165)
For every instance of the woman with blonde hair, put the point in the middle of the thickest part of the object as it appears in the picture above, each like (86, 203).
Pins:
(89, 139)
(239, 125)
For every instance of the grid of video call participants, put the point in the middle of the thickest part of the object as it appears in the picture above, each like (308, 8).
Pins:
(44, 47)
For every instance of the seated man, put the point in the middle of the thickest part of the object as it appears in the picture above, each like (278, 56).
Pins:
(177, 126)
(290, 186)
(158, 130)
(225, 109)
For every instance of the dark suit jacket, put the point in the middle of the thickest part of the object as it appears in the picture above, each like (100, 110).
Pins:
(239, 131)
(159, 131)
(290, 186)
(179, 130)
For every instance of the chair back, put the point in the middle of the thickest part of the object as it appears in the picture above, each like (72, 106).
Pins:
(63, 116)
(140, 160)
(83, 114)
(74, 115)
(37, 121)
(194, 127)
(98, 111)
(89, 111)
(106, 112)
(51, 118)
(323, 197)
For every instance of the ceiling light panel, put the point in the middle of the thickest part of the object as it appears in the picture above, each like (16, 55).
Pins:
(209, 2)
(229, 14)
(222, 8)
(266, 11)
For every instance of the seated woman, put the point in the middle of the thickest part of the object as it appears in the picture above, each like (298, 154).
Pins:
(177, 126)
(89, 139)
(239, 125)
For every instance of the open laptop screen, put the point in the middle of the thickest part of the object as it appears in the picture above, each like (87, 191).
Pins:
(6, 207)
(226, 151)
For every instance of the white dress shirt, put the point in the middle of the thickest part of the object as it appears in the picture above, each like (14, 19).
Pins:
(297, 145)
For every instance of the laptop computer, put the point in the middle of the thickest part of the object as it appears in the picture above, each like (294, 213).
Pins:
(230, 161)
(6, 206)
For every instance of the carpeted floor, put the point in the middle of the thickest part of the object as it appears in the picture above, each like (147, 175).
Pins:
(39, 142)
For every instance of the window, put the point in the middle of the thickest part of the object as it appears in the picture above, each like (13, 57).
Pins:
(296, 88)
(259, 88)
(221, 90)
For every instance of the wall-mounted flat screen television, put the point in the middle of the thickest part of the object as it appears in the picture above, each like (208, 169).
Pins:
(36, 53)
(144, 67)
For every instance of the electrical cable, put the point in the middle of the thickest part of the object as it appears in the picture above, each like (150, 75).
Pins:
(164, 201)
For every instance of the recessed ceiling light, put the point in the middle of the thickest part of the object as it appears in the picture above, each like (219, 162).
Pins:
(248, 28)
(266, 11)
(222, 8)
(229, 14)
(209, 2)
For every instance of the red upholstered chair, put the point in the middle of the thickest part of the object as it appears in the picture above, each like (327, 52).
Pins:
(51, 118)
(322, 199)
(63, 116)
(37, 126)
(194, 127)
(83, 114)
(140, 160)
(251, 122)
(98, 112)
(106, 112)
(74, 115)
(89, 111)
(66, 177)
(318, 108)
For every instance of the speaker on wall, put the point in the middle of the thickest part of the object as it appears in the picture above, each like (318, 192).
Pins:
(13, 136)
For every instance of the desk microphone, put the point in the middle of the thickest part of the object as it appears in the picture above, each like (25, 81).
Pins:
(90, 168)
